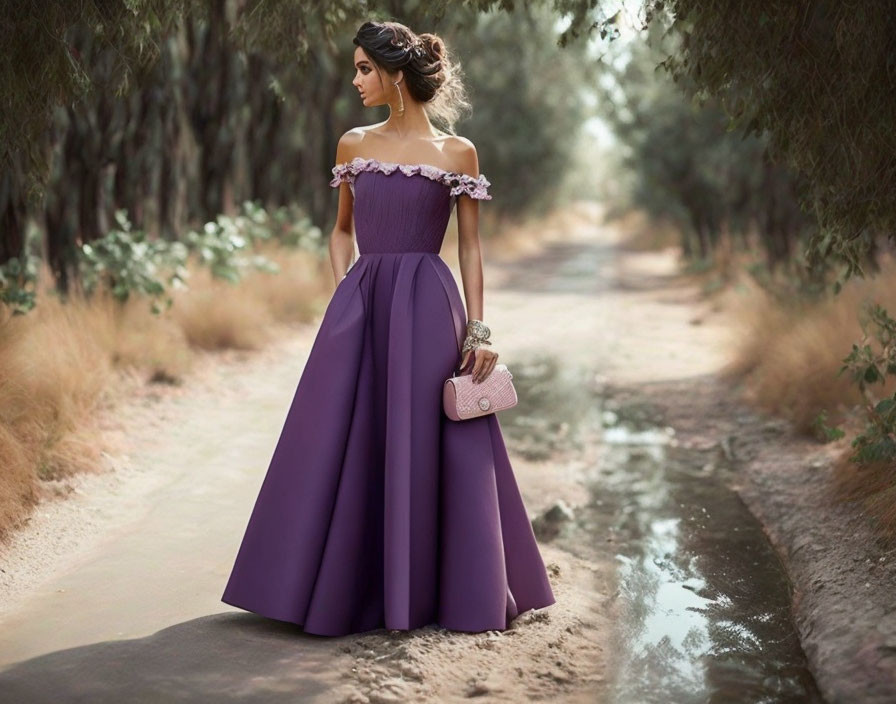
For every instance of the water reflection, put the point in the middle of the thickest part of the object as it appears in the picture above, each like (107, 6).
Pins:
(554, 408)
(703, 603)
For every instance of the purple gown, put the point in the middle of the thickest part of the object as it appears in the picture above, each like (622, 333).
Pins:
(377, 510)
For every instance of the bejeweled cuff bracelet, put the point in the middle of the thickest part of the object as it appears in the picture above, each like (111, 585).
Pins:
(477, 334)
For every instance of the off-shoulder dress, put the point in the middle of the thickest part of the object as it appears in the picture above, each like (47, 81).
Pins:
(377, 510)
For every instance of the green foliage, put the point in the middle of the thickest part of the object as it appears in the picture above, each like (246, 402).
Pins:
(815, 80)
(788, 285)
(221, 245)
(818, 80)
(698, 265)
(684, 165)
(125, 262)
(289, 225)
(869, 365)
(528, 103)
(823, 431)
(226, 244)
(44, 68)
(18, 278)
(173, 110)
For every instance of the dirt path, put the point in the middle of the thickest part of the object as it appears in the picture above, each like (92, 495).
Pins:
(114, 592)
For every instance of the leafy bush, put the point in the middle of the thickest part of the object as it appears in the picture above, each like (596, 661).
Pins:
(823, 431)
(226, 244)
(219, 245)
(294, 228)
(290, 226)
(125, 262)
(869, 366)
(18, 278)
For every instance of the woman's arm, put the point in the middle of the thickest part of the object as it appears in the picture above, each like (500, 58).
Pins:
(342, 244)
(470, 260)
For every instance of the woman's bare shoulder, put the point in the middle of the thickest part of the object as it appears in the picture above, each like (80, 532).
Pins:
(351, 141)
(462, 153)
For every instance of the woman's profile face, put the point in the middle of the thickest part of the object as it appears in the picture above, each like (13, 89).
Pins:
(367, 80)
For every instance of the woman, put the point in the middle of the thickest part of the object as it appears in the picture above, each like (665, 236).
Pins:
(377, 510)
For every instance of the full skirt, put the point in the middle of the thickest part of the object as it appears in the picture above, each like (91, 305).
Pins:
(377, 510)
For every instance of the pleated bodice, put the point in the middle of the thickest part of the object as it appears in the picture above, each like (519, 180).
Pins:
(403, 207)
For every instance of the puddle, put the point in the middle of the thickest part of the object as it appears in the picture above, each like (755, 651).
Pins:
(704, 603)
(553, 410)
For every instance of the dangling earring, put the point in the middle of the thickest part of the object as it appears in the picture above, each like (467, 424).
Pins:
(400, 98)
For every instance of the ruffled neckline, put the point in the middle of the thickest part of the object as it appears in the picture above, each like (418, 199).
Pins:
(475, 187)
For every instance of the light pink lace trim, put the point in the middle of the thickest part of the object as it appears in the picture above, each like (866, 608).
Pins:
(457, 182)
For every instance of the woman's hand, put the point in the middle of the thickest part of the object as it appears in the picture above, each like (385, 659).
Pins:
(485, 362)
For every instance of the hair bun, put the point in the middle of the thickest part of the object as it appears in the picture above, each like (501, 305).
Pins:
(433, 44)
(431, 75)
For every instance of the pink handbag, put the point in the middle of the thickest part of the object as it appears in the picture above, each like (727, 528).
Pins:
(462, 399)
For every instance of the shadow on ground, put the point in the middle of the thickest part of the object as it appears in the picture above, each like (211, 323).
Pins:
(220, 658)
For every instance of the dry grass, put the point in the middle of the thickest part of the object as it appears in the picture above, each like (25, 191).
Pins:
(873, 488)
(18, 491)
(502, 241)
(58, 363)
(297, 293)
(645, 234)
(790, 358)
(54, 372)
(133, 337)
(219, 315)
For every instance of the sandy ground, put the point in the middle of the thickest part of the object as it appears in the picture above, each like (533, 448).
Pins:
(123, 577)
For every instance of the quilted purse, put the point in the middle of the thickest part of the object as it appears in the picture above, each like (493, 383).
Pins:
(462, 399)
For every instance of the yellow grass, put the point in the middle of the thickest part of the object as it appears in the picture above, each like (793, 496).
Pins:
(58, 363)
(215, 314)
(790, 357)
(512, 241)
(54, 370)
(644, 233)
(872, 488)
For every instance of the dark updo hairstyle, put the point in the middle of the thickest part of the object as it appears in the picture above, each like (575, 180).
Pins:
(429, 74)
